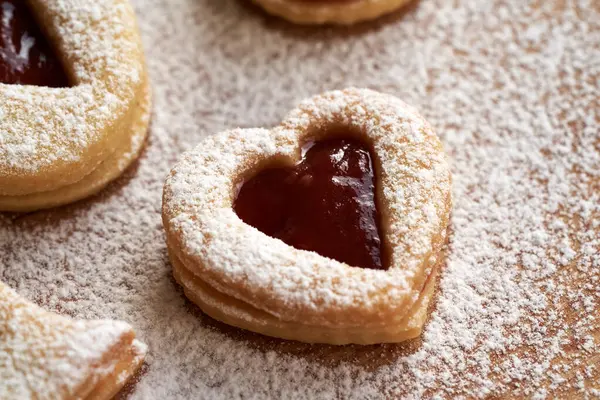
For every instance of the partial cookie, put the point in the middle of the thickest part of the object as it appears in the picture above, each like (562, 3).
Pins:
(273, 278)
(61, 144)
(340, 12)
(47, 356)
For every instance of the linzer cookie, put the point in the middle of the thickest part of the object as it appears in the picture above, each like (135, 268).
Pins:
(328, 228)
(340, 12)
(46, 356)
(74, 99)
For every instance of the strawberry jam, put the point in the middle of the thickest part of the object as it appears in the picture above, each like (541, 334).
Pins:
(25, 56)
(326, 203)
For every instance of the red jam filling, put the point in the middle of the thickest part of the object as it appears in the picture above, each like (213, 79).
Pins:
(326, 203)
(25, 56)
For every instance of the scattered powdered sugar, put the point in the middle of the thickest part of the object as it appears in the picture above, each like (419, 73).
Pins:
(511, 89)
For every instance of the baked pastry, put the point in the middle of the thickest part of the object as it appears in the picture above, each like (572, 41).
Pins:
(47, 356)
(368, 290)
(70, 123)
(341, 12)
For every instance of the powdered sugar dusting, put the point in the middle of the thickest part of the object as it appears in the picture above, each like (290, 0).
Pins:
(44, 125)
(511, 88)
(42, 353)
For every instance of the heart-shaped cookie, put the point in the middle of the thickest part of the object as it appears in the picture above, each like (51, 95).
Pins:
(339, 12)
(60, 144)
(244, 277)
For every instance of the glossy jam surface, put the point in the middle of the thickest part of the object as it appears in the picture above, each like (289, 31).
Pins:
(326, 204)
(25, 56)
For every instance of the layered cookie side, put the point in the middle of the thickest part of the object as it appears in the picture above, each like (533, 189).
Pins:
(338, 12)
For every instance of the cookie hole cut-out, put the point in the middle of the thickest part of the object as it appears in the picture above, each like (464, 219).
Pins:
(325, 203)
(26, 58)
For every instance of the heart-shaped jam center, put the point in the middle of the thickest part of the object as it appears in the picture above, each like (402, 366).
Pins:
(326, 203)
(25, 56)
